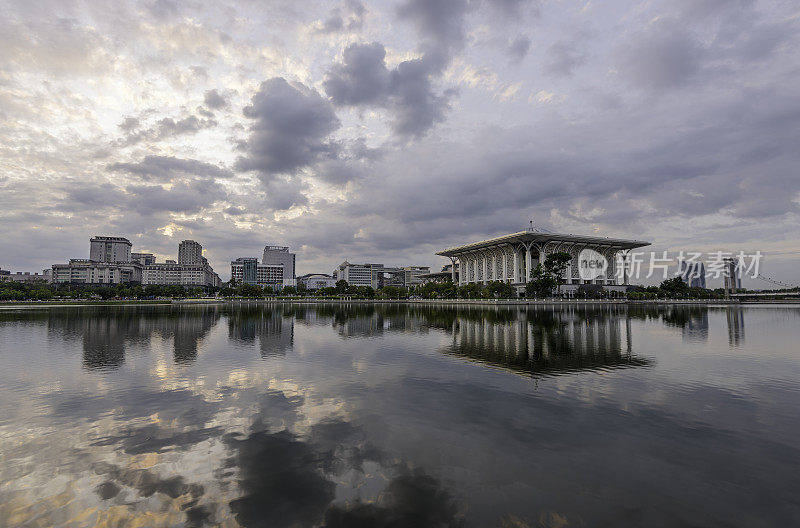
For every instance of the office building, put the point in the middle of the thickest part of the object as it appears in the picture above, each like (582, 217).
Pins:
(280, 256)
(413, 274)
(112, 262)
(247, 270)
(190, 252)
(191, 270)
(109, 249)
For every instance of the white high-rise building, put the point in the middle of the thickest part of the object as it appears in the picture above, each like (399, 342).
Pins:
(190, 252)
(280, 256)
(109, 249)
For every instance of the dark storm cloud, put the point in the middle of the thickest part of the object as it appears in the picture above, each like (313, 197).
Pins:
(363, 79)
(518, 48)
(166, 168)
(291, 128)
(215, 100)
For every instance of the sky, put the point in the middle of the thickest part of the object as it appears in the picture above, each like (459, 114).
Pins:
(386, 131)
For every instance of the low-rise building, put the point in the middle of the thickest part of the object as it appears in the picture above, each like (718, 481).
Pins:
(24, 276)
(86, 271)
(316, 281)
(378, 276)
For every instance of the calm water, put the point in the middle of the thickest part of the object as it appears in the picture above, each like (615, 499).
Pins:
(292, 416)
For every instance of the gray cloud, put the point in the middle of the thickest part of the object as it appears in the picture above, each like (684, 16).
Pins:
(215, 100)
(562, 58)
(349, 17)
(664, 55)
(181, 196)
(441, 21)
(518, 48)
(363, 79)
(291, 128)
(162, 129)
(165, 168)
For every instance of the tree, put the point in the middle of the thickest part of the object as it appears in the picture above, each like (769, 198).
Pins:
(556, 264)
(542, 282)
(341, 286)
(289, 290)
(499, 289)
(674, 287)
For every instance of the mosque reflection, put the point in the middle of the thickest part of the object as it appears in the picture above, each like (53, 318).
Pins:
(546, 342)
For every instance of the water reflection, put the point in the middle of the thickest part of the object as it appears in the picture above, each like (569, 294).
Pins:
(547, 342)
(273, 327)
(735, 317)
(390, 416)
(107, 332)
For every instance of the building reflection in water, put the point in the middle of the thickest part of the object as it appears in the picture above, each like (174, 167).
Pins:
(272, 327)
(541, 341)
(106, 332)
(735, 316)
(692, 320)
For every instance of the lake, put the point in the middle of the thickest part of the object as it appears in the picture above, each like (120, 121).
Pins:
(399, 416)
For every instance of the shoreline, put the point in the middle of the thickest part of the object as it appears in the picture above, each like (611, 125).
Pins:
(454, 302)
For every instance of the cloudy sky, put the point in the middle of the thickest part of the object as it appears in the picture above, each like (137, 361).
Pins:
(385, 131)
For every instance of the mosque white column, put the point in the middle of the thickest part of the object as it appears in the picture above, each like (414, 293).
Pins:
(485, 264)
(515, 257)
(527, 264)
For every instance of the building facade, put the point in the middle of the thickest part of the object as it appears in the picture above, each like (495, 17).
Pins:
(247, 270)
(109, 249)
(511, 258)
(280, 256)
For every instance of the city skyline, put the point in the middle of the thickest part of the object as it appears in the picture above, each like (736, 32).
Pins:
(386, 131)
